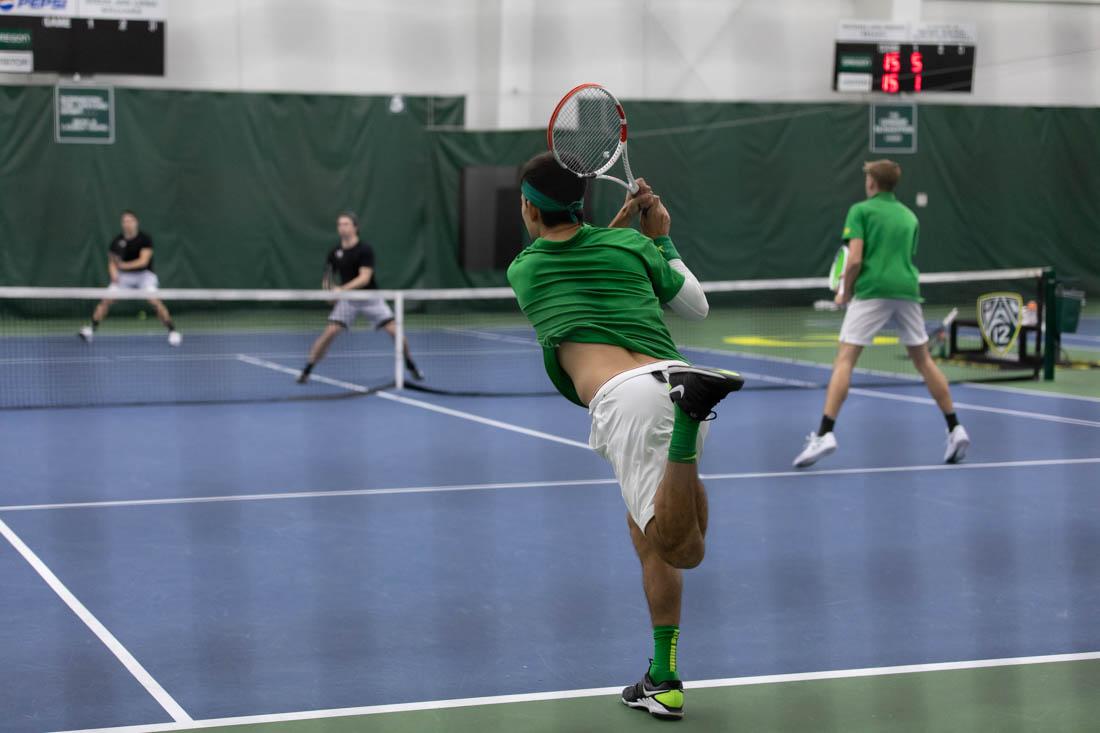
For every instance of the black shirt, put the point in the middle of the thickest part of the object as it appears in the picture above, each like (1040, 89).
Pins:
(128, 250)
(346, 262)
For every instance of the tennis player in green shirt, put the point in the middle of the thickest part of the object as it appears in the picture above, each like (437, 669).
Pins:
(881, 285)
(594, 296)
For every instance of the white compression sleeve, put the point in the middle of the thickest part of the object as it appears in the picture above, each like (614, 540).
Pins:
(691, 301)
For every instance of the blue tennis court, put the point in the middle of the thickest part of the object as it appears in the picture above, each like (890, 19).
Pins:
(288, 291)
(311, 560)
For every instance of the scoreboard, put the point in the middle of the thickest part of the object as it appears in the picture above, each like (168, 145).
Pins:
(899, 57)
(83, 36)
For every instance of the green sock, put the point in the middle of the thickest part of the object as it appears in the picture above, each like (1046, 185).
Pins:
(685, 436)
(663, 666)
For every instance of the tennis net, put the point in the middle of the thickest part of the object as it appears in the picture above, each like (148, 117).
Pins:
(249, 346)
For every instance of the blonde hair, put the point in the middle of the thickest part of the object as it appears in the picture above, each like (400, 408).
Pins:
(886, 173)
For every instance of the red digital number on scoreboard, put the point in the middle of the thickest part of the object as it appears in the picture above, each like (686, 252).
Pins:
(891, 67)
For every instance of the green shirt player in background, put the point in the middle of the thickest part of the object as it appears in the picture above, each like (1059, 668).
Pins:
(594, 296)
(881, 285)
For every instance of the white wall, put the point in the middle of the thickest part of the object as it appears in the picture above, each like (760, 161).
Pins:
(513, 58)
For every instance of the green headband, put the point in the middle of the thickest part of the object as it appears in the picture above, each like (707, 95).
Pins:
(543, 202)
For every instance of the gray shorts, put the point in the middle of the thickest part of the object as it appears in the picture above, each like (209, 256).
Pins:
(375, 310)
(865, 318)
(140, 280)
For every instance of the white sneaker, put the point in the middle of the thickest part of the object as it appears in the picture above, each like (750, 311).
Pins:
(87, 334)
(817, 447)
(174, 338)
(957, 443)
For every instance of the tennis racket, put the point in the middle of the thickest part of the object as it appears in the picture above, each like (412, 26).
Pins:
(587, 134)
(836, 274)
(330, 280)
(331, 277)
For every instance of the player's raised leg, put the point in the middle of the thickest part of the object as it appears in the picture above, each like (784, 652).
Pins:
(679, 525)
(678, 528)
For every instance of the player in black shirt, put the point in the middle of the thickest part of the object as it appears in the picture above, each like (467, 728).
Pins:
(352, 261)
(130, 265)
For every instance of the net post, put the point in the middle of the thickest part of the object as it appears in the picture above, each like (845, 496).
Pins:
(399, 340)
(1051, 340)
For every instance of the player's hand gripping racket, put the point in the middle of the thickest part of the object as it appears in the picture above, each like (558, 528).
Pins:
(587, 134)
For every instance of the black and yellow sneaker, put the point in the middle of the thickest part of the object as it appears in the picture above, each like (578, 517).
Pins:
(665, 701)
(696, 390)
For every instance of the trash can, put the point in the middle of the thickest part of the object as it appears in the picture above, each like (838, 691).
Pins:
(1069, 304)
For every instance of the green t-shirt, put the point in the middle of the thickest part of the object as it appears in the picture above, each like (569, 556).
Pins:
(889, 232)
(602, 286)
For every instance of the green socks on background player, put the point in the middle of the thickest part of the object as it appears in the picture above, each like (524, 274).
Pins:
(663, 665)
(683, 446)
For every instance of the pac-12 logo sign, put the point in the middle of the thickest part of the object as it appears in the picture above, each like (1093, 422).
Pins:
(999, 319)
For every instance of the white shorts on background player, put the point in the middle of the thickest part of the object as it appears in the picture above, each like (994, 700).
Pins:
(865, 318)
(632, 419)
(141, 280)
(375, 310)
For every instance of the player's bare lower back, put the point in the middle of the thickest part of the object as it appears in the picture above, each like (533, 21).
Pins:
(590, 365)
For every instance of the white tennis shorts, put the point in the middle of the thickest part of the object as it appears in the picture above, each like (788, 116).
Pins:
(632, 420)
(140, 280)
(865, 318)
(375, 310)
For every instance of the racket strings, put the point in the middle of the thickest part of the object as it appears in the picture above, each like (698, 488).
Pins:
(586, 132)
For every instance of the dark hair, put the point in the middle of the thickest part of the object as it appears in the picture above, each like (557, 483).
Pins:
(546, 174)
(349, 215)
(129, 212)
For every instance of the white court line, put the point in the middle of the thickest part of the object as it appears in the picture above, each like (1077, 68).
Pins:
(879, 394)
(309, 494)
(483, 420)
(778, 380)
(904, 377)
(417, 403)
(803, 363)
(114, 645)
(490, 336)
(537, 484)
(903, 469)
(566, 441)
(977, 408)
(599, 692)
(351, 387)
(1032, 392)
